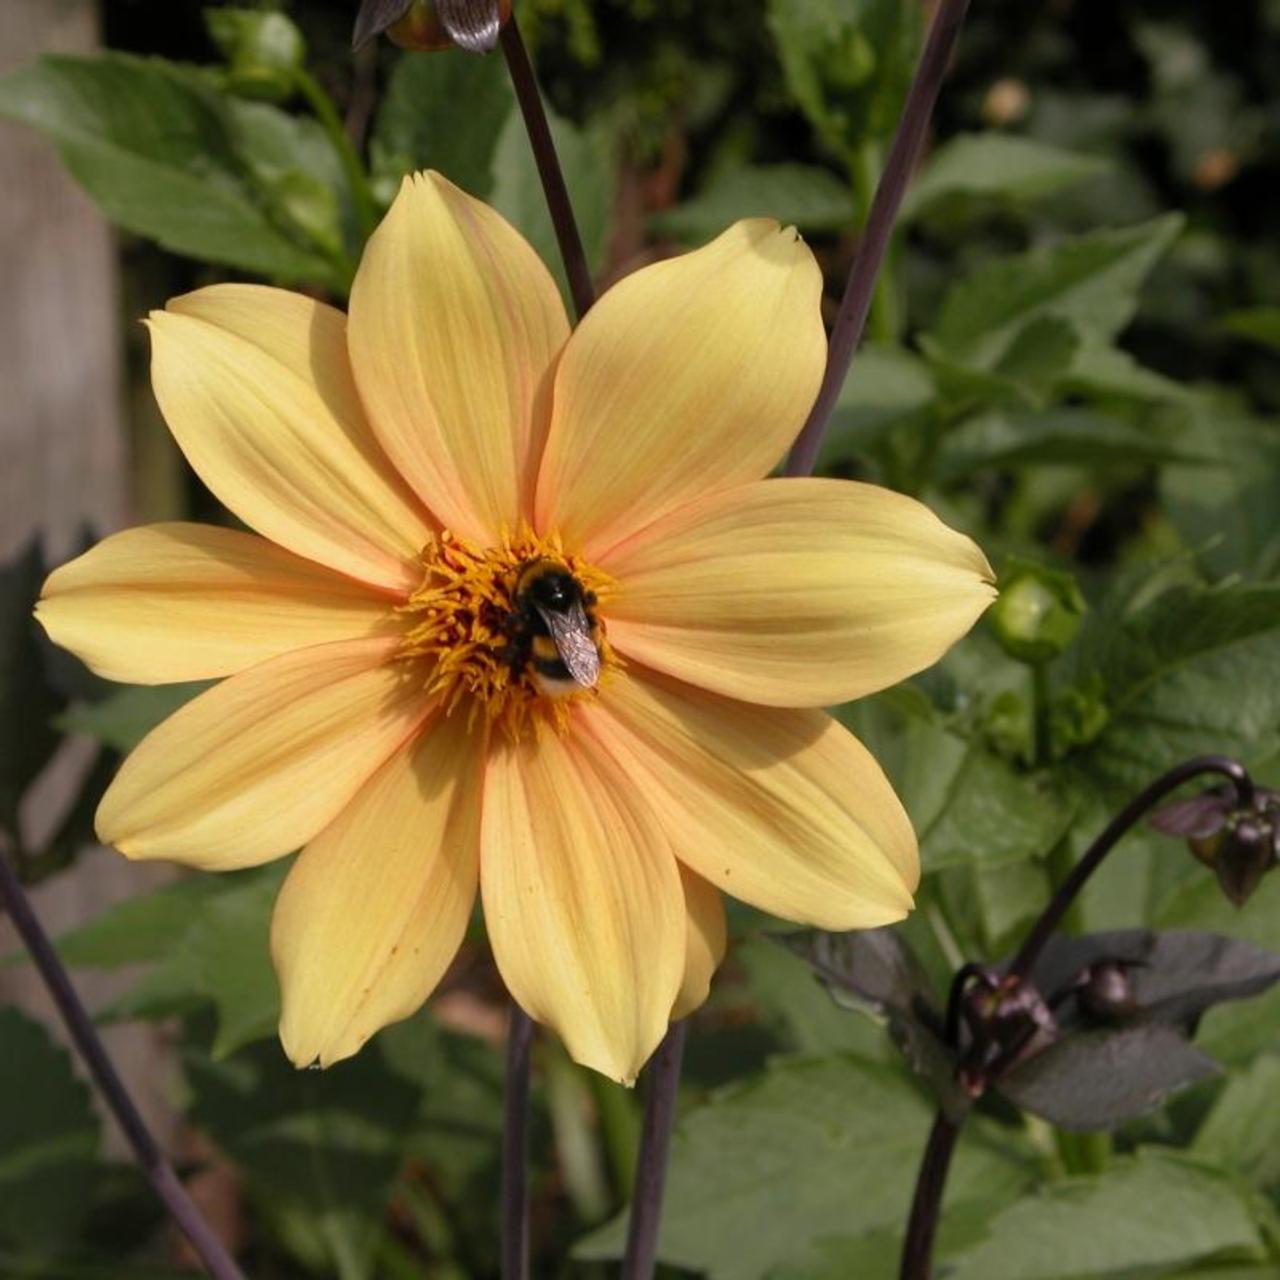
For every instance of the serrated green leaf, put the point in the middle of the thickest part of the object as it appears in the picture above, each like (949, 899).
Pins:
(445, 111)
(1258, 324)
(125, 716)
(800, 195)
(1242, 1131)
(1152, 1211)
(48, 1140)
(159, 151)
(996, 166)
(806, 1150)
(1091, 280)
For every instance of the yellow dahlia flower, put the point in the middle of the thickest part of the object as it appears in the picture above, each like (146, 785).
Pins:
(402, 466)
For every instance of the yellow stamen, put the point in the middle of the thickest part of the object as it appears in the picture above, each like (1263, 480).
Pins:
(460, 619)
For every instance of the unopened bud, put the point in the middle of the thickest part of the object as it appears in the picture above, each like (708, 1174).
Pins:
(1037, 614)
(264, 51)
(433, 24)
(1241, 844)
(1106, 992)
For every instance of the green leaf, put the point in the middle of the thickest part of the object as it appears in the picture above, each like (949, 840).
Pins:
(444, 111)
(1103, 371)
(48, 1140)
(1242, 1131)
(1188, 672)
(1152, 1211)
(1258, 324)
(319, 1149)
(1092, 280)
(1227, 512)
(996, 166)
(1077, 437)
(124, 717)
(802, 195)
(806, 1150)
(587, 158)
(223, 959)
(160, 152)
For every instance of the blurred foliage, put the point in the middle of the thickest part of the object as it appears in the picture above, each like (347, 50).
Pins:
(1072, 356)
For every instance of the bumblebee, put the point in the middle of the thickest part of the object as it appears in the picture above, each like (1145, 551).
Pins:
(553, 629)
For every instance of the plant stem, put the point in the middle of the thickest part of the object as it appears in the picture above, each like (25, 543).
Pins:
(352, 166)
(907, 143)
(525, 84)
(882, 319)
(926, 1204)
(182, 1209)
(1083, 1152)
(663, 1077)
(1068, 890)
(515, 1148)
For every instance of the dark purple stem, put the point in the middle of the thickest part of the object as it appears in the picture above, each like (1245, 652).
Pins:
(217, 1261)
(525, 84)
(903, 154)
(663, 1078)
(1067, 891)
(515, 1148)
(922, 1225)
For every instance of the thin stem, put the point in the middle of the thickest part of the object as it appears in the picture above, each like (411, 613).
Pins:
(352, 166)
(882, 317)
(903, 154)
(655, 1142)
(515, 1148)
(1067, 891)
(525, 84)
(217, 1261)
(1083, 1153)
(922, 1225)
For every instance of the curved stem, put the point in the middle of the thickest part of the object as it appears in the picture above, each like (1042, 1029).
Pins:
(525, 84)
(922, 1225)
(655, 1142)
(515, 1148)
(217, 1261)
(907, 143)
(352, 166)
(1067, 891)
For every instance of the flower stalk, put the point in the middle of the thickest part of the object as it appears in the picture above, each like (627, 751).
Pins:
(529, 97)
(515, 1148)
(860, 286)
(335, 130)
(159, 1172)
(663, 1078)
(1009, 988)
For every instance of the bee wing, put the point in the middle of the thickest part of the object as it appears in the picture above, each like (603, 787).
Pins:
(571, 631)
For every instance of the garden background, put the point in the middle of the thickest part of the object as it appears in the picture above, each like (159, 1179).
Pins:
(1071, 356)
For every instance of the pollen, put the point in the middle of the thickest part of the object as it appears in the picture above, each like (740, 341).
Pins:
(463, 620)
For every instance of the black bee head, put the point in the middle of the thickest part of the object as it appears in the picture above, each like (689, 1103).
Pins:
(549, 585)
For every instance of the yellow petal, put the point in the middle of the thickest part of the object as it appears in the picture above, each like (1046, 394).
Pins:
(190, 602)
(705, 940)
(796, 592)
(785, 810)
(689, 375)
(582, 899)
(455, 324)
(375, 907)
(256, 387)
(264, 761)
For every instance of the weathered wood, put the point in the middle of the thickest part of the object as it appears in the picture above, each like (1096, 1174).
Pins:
(63, 468)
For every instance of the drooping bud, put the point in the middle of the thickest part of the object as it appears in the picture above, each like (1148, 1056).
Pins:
(472, 25)
(1106, 991)
(1240, 843)
(1007, 1021)
(1038, 612)
(264, 51)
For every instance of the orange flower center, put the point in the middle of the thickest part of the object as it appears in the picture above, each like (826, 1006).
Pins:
(482, 640)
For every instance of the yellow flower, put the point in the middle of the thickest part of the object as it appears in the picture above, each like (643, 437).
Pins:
(402, 467)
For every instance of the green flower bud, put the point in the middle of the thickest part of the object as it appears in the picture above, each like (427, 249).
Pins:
(263, 51)
(1037, 614)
